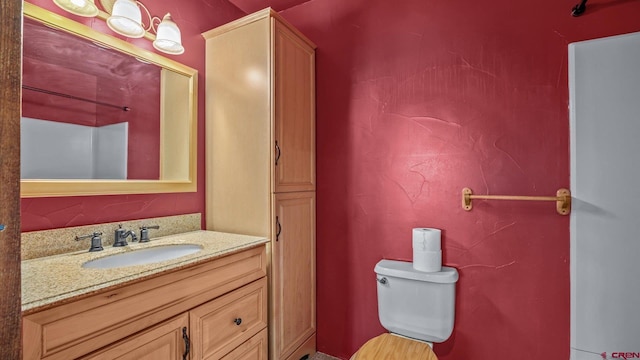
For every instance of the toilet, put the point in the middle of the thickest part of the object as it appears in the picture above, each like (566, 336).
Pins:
(417, 308)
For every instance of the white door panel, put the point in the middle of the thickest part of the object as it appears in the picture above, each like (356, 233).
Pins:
(604, 83)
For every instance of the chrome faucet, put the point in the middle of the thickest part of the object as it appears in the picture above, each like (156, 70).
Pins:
(121, 236)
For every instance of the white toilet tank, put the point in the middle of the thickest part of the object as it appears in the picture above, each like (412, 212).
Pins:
(416, 304)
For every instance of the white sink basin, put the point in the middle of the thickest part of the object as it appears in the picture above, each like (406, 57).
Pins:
(143, 256)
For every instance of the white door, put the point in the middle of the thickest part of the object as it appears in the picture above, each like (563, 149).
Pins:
(604, 84)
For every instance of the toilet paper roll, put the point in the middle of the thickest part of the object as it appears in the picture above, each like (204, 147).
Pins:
(427, 261)
(427, 239)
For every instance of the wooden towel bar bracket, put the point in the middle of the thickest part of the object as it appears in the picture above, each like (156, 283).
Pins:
(562, 199)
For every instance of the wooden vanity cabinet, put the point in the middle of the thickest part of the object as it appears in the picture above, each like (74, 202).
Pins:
(218, 308)
(260, 139)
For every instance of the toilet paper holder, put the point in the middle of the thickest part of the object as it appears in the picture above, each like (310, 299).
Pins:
(562, 199)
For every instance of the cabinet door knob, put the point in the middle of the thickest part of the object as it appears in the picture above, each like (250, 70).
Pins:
(238, 321)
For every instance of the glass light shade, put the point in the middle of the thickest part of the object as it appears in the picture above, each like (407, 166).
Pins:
(168, 37)
(78, 7)
(126, 19)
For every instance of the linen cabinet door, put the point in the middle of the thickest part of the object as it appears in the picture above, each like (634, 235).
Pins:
(293, 272)
(294, 102)
(166, 341)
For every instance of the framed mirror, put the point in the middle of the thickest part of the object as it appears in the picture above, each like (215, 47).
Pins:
(101, 116)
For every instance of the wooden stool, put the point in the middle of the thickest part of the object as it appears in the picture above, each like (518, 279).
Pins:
(392, 347)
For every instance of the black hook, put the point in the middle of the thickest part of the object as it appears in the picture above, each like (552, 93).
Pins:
(579, 8)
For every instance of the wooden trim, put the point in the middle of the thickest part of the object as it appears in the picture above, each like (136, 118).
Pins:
(10, 82)
(256, 16)
(291, 28)
(43, 188)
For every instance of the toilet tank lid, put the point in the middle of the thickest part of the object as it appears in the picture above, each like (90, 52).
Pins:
(405, 270)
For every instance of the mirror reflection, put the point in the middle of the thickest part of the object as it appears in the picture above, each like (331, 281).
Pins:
(88, 111)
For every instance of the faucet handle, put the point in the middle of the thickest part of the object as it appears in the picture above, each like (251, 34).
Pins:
(96, 241)
(144, 232)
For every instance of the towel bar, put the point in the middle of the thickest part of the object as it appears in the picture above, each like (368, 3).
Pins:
(562, 199)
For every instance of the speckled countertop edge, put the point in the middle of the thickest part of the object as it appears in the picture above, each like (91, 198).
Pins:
(57, 279)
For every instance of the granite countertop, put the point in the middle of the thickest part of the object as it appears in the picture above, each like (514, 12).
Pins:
(54, 279)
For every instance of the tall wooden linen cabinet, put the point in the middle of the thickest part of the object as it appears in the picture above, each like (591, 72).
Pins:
(260, 161)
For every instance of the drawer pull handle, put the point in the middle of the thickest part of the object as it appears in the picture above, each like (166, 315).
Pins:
(187, 343)
(279, 230)
(277, 153)
(238, 321)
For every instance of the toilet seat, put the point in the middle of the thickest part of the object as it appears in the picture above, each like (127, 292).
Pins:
(392, 347)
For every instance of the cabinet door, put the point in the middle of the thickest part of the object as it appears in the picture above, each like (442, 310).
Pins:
(255, 348)
(294, 101)
(166, 341)
(221, 325)
(293, 272)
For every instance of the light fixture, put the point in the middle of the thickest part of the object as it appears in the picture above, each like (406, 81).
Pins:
(168, 38)
(78, 7)
(125, 18)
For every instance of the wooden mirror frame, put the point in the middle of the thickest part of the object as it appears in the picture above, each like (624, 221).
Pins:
(173, 177)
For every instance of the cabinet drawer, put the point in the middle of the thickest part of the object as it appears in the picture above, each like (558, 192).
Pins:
(80, 327)
(306, 350)
(223, 324)
(255, 348)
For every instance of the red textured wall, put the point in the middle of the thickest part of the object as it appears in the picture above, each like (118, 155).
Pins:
(417, 99)
(193, 18)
